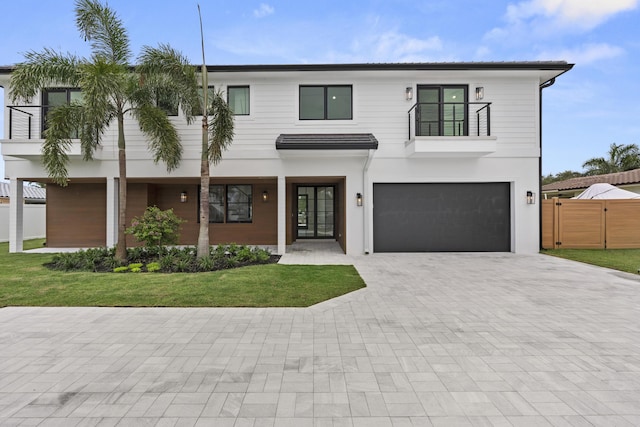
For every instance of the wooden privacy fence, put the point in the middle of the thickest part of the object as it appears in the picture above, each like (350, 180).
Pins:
(590, 224)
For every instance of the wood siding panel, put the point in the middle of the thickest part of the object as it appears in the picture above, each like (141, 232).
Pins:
(623, 224)
(547, 224)
(76, 215)
(581, 224)
(262, 231)
(591, 224)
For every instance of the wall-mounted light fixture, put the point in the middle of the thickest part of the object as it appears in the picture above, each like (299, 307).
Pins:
(184, 197)
(359, 199)
(479, 93)
(265, 196)
(408, 93)
(531, 197)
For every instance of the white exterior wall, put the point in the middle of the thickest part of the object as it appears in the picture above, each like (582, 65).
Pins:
(379, 107)
(34, 222)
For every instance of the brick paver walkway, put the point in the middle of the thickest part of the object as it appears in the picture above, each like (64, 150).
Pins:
(435, 339)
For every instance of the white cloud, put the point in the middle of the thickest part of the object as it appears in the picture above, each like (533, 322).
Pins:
(263, 10)
(584, 14)
(586, 54)
(395, 46)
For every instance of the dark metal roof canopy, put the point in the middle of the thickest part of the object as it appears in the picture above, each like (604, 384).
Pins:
(515, 65)
(326, 141)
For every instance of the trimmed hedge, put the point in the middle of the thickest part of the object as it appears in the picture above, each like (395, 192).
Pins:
(162, 259)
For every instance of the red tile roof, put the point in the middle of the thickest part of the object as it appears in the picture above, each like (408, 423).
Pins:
(618, 178)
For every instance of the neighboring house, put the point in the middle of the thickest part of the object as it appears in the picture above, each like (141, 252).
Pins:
(31, 195)
(379, 157)
(629, 180)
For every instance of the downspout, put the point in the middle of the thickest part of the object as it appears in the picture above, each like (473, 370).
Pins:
(544, 85)
(368, 198)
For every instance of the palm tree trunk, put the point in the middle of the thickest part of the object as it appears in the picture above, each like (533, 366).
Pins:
(121, 245)
(203, 235)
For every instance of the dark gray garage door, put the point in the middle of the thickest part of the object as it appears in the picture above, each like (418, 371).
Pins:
(443, 217)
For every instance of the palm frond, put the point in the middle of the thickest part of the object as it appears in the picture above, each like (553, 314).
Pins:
(221, 128)
(102, 83)
(164, 141)
(166, 68)
(100, 25)
(41, 69)
(620, 158)
(63, 123)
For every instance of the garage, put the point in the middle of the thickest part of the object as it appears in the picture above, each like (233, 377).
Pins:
(441, 217)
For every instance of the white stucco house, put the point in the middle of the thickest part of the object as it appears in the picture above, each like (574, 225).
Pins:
(378, 157)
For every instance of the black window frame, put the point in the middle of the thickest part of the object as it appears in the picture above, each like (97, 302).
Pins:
(248, 88)
(45, 107)
(325, 99)
(197, 111)
(170, 106)
(225, 197)
(441, 108)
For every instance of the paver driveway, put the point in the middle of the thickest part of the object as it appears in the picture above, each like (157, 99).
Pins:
(435, 339)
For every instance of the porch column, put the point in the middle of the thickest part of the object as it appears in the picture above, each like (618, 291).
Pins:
(16, 215)
(112, 211)
(282, 215)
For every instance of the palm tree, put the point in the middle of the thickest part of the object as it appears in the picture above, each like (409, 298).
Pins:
(111, 88)
(621, 158)
(215, 140)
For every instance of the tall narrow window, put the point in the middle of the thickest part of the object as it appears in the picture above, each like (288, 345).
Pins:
(442, 111)
(239, 198)
(326, 102)
(55, 97)
(216, 203)
(238, 99)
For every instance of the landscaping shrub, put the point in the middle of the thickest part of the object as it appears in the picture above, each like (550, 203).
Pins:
(162, 259)
(155, 227)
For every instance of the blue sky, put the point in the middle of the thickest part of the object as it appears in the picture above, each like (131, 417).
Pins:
(589, 108)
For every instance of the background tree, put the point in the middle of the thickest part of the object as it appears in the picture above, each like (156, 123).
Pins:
(111, 88)
(621, 158)
(568, 174)
(215, 140)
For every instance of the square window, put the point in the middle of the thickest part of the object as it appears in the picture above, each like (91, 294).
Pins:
(230, 203)
(55, 97)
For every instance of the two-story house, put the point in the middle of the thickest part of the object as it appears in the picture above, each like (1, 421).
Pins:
(378, 157)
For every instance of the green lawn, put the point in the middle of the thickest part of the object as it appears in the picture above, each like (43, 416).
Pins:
(618, 259)
(25, 282)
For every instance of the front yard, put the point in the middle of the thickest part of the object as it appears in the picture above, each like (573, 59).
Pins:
(618, 259)
(24, 281)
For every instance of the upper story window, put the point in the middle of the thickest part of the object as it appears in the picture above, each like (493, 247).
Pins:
(442, 110)
(166, 102)
(55, 97)
(230, 203)
(238, 100)
(197, 111)
(326, 102)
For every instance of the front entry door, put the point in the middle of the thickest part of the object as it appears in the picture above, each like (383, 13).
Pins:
(315, 212)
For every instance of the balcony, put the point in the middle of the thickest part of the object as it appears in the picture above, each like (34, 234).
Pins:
(450, 129)
(25, 132)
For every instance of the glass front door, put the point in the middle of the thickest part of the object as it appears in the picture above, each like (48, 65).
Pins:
(315, 212)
